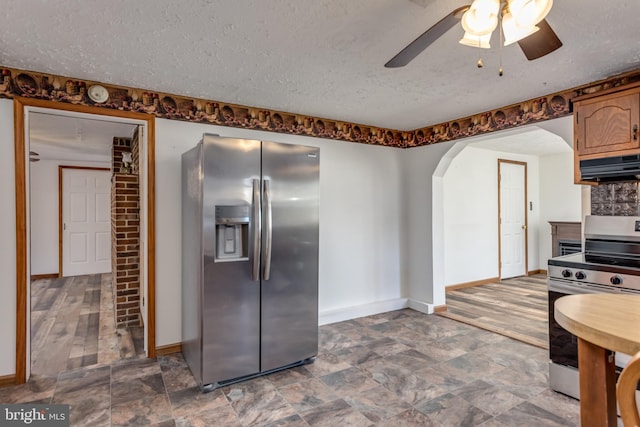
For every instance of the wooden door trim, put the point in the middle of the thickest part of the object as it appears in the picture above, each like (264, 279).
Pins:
(19, 104)
(60, 221)
(526, 218)
(21, 242)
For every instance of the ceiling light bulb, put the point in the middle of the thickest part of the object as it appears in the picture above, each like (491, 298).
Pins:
(528, 13)
(478, 26)
(513, 32)
(480, 63)
(485, 7)
(482, 17)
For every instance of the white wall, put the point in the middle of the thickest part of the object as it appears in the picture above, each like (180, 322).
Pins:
(421, 247)
(7, 241)
(559, 195)
(43, 183)
(471, 214)
(359, 224)
(560, 198)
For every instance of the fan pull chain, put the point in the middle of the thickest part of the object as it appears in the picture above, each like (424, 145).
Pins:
(480, 64)
(501, 42)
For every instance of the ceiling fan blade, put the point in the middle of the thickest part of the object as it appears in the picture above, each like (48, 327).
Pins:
(540, 43)
(407, 54)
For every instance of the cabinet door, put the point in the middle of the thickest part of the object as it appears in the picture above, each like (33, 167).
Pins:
(607, 124)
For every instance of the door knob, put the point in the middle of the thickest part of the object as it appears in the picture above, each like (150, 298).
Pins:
(524, 227)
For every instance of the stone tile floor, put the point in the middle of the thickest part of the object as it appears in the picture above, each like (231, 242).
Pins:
(401, 368)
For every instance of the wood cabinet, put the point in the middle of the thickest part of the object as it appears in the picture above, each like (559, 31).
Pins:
(606, 124)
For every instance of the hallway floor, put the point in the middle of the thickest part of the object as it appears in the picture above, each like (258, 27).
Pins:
(401, 368)
(73, 325)
(517, 308)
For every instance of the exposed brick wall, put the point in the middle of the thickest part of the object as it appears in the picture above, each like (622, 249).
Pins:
(120, 145)
(125, 235)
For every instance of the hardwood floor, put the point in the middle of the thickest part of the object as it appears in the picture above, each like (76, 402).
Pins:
(516, 308)
(73, 325)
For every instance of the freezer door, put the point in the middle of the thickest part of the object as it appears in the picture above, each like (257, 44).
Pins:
(290, 254)
(231, 298)
(192, 259)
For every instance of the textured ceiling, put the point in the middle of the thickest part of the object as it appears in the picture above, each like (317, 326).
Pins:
(61, 137)
(316, 57)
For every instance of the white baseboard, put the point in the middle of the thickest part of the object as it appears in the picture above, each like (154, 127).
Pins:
(341, 314)
(422, 307)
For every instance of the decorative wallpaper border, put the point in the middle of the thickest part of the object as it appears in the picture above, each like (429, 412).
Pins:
(534, 110)
(14, 82)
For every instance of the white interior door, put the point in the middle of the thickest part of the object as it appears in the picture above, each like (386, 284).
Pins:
(86, 221)
(513, 219)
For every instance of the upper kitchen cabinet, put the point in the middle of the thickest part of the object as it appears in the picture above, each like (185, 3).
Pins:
(607, 123)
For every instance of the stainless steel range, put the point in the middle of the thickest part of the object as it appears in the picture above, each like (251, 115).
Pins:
(610, 263)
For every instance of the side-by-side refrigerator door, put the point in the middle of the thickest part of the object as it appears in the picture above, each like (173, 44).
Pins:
(231, 289)
(290, 253)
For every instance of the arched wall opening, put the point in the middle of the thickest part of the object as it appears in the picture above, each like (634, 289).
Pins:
(465, 200)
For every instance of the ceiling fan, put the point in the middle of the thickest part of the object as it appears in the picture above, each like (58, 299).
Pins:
(535, 41)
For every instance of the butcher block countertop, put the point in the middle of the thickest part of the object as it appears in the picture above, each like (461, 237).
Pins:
(610, 321)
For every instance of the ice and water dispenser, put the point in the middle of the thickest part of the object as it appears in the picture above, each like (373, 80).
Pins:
(232, 233)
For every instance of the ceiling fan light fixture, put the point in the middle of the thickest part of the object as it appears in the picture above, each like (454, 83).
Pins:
(476, 41)
(528, 13)
(513, 32)
(481, 18)
(534, 46)
(485, 8)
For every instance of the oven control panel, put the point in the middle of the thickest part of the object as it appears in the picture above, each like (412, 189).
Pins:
(620, 282)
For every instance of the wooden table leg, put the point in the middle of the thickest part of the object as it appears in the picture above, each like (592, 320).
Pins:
(597, 385)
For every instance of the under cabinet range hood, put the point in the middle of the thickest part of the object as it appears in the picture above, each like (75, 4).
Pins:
(608, 169)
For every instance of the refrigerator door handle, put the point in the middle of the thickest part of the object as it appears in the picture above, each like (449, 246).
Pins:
(257, 231)
(268, 223)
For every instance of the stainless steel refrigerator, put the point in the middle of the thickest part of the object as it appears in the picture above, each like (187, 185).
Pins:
(249, 258)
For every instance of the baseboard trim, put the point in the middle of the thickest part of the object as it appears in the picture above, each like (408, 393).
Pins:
(422, 307)
(44, 276)
(164, 350)
(440, 308)
(532, 272)
(341, 314)
(472, 284)
(7, 380)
